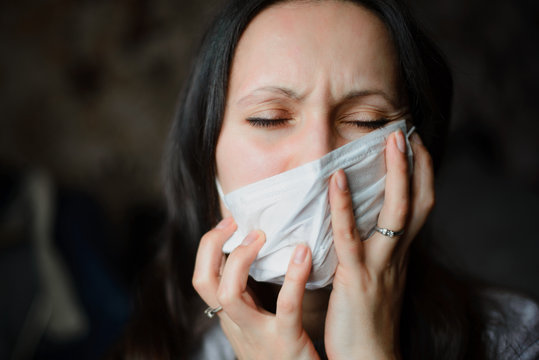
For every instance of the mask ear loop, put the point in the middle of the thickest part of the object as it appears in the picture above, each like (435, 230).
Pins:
(410, 153)
(410, 132)
(219, 189)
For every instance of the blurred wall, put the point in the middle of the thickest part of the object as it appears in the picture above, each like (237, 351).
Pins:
(87, 93)
(88, 89)
(488, 187)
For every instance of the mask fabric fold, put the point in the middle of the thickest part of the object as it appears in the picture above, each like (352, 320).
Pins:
(293, 207)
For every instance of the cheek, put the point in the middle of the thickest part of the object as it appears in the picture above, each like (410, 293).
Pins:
(241, 161)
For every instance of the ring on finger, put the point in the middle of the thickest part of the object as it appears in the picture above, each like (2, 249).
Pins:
(210, 312)
(388, 233)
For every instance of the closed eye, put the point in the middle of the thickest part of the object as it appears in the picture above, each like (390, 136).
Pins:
(266, 122)
(271, 122)
(371, 124)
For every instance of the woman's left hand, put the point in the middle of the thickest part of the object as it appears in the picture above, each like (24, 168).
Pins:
(364, 308)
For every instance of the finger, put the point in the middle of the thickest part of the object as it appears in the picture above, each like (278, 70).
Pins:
(423, 194)
(395, 209)
(232, 294)
(289, 301)
(209, 259)
(348, 245)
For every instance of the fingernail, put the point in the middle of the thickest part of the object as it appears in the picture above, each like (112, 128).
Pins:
(249, 239)
(226, 222)
(401, 144)
(300, 254)
(341, 180)
(416, 138)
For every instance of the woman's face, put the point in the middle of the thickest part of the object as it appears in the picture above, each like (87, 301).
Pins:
(306, 78)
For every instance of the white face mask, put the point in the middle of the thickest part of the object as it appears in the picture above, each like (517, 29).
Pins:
(293, 207)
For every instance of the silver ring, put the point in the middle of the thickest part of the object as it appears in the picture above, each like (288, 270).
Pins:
(210, 312)
(388, 233)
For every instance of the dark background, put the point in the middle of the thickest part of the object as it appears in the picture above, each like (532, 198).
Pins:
(87, 93)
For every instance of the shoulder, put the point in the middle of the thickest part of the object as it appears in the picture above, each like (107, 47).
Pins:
(511, 324)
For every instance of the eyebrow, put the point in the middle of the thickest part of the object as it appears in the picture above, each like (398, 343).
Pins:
(353, 95)
(289, 93)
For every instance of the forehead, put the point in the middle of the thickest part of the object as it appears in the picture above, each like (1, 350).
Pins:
(300, 43)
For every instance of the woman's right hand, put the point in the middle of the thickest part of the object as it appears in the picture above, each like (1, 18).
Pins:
(253, 332)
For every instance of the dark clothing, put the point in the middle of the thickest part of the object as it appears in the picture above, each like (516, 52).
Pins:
(513, 330)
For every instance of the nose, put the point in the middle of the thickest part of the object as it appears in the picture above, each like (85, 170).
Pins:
(314, 138)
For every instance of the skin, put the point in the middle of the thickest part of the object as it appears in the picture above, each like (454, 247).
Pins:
(315, 72)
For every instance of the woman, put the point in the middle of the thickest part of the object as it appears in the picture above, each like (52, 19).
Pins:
(279, 84)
